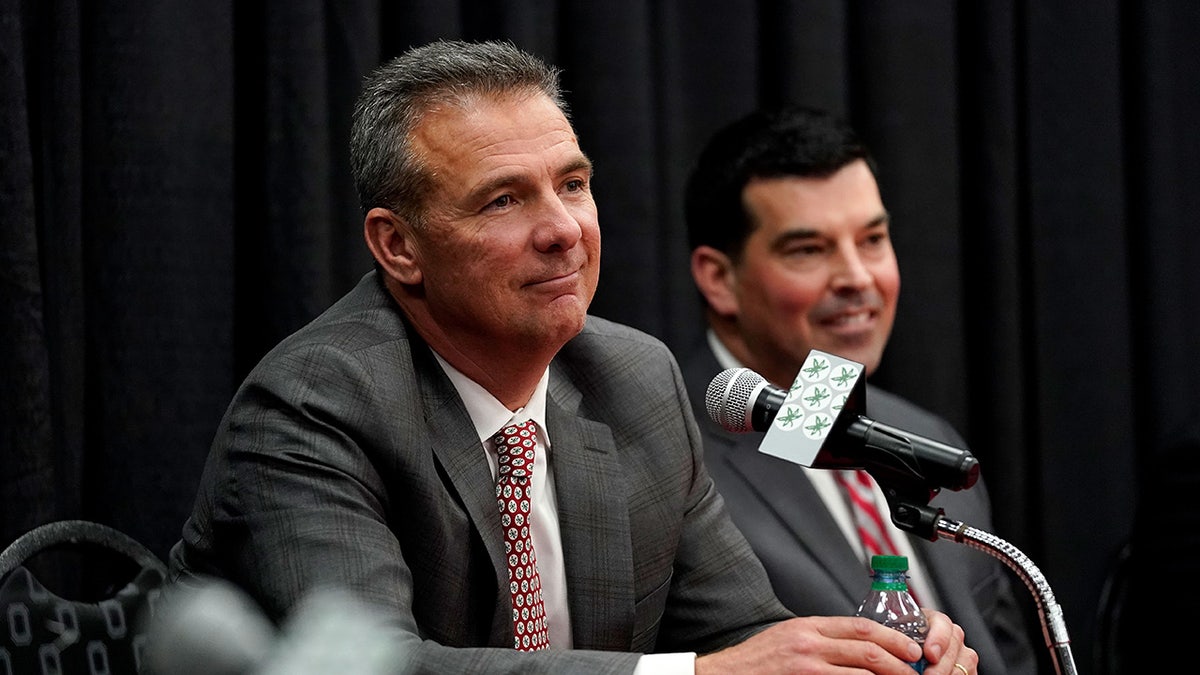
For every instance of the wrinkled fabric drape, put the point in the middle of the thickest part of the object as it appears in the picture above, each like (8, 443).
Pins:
(175, 198)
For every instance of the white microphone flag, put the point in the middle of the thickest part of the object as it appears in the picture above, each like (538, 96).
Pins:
(827, 393)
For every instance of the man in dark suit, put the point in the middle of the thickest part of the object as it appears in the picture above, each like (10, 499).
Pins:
(790, 251)
(363, 452)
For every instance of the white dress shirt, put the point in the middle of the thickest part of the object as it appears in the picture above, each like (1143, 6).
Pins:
(489, 415)
(835, 501)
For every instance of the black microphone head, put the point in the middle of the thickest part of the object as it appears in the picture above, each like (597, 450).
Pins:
(729, 398)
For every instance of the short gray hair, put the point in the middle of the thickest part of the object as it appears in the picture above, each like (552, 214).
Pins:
(397, 95)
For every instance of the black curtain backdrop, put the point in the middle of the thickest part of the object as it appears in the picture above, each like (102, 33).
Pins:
(175, 198)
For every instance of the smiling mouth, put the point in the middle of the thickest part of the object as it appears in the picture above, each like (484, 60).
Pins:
(851, 319)
(553, 276)
(566, 279)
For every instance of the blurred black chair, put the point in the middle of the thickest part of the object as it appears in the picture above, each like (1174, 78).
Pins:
(98, 633)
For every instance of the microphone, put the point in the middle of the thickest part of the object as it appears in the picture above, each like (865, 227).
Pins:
(819, 423)
(214, 628)
(741, 400)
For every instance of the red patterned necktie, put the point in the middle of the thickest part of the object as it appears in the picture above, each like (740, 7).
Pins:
(515, 445)
(872, 529)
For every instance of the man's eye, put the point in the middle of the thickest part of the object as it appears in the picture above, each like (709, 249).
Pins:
(575, 185)
(501, 201)
(805, 251)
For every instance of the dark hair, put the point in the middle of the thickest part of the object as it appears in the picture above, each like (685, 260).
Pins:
(398, 94)
(788, 141)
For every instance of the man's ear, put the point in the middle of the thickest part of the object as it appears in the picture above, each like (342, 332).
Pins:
(391, 241)
(714, 275)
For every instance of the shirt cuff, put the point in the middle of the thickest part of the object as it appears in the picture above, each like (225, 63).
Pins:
(682, 663)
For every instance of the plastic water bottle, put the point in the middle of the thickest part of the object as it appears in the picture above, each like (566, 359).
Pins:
(890, 603)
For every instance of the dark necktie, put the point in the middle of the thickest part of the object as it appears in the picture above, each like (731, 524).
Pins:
(515, 451)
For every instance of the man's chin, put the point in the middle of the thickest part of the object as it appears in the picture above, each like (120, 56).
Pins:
(560, 326)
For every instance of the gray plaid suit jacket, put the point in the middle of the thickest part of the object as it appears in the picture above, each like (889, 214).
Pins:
(813, 568)
(347, 458)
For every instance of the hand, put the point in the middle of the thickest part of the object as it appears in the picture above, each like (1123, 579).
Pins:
(814, 644)
(946, 649)
(818, 644)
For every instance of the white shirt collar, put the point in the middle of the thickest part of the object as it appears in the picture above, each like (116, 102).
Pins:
(487, 413)
(725, 358)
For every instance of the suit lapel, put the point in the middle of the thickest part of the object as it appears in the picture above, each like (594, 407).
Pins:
(798, 505)
(458, 450)
(594, 524)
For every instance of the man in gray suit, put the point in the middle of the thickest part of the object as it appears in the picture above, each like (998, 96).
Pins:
(790, 251)
(359, 453)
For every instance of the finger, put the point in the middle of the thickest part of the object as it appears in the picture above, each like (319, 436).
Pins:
(966, 664)
(958, 659)
(856, 642)
(944, 636)
(891, 640)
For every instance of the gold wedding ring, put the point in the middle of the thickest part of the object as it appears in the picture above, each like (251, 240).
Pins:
(962, 668)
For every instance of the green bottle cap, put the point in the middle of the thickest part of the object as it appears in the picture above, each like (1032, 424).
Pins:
(894, 563)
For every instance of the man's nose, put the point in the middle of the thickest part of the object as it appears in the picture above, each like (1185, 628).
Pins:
(850, 271)
(557, 227)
